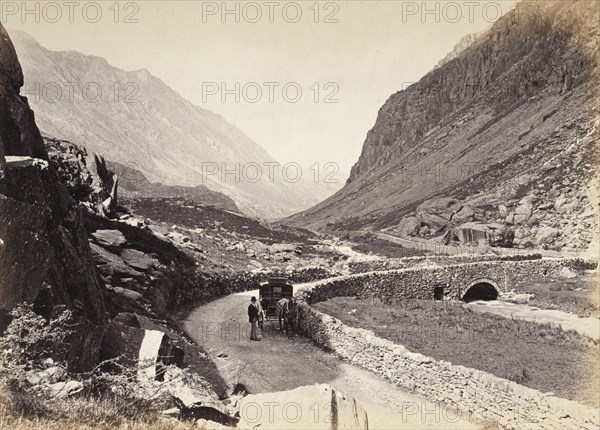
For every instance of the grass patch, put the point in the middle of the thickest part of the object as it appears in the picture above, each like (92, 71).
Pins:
(539, 356)
(578, 295)
(368, 243)
(27, 413)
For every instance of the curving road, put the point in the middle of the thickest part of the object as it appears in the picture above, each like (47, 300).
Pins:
(277, 363)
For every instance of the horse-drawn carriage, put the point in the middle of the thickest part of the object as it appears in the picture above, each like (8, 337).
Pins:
(276, 298)
(271, 292)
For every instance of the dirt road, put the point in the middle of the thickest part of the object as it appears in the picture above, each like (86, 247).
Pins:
(277, 363)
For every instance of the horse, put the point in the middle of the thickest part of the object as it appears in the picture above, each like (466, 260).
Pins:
(287, 313)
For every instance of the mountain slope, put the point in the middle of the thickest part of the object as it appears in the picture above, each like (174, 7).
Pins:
(134, 118)
(507, 127)
(133, 184)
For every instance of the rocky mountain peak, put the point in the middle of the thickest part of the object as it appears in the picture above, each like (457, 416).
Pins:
(464, 43)
(139, 120)
(527, 43)
(512, 115)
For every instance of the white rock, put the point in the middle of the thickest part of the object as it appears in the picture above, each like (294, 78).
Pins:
(65, 389)
(294, 409)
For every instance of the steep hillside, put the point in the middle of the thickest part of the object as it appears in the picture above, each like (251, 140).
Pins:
(133, 117)
(503, 137)
(464, 43)
(133, 184)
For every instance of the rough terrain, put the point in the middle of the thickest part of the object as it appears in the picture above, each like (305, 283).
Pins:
(497, 144)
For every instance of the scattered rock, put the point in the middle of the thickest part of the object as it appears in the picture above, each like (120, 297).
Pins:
(110, 264)
(137, 259)
(112, 239)
(128, 294)
(465, 214)
(177, 237)
(61, 390)
(523, 211)
(544, 235)
(210, 425)
(255, 264)
(502, 210)
(565, 272)
(206, 413)
(409, 226)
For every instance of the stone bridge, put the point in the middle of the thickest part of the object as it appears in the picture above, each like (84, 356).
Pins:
(466, 281)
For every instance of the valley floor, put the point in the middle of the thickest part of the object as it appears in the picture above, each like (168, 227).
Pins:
(578, 295)
(541, 356)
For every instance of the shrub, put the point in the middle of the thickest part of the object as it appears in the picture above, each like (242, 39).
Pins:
(29, 346)
(30, 340)
(111, 395)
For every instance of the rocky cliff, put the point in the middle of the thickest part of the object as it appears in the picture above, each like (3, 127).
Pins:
(505, 132)
(464, 43)
(45, 258)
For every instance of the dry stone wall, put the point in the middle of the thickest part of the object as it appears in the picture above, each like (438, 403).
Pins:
(440, 260)
(418, 283)
(476, 395)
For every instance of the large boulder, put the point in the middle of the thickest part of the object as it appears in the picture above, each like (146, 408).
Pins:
(545, 235)
(475, 232)
(137, 259)
(409, 226)
(110, 264)
(437, 215)
(311, 407)
(104, 184)
(138, 348)
(464, 214)
(523, 211)
(111, 239)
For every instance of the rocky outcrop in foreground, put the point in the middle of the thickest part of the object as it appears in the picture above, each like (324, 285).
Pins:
(86, 176)
(311, 407)
(45, 258)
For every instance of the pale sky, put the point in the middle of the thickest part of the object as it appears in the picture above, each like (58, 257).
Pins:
(373, 50)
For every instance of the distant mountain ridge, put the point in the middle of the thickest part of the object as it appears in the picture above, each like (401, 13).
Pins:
(503, 135)
(133, 184)
(134, 117)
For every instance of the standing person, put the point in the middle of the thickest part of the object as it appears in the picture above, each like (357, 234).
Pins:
(253, 311)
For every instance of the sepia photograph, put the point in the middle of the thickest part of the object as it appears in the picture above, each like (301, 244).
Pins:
(303, 215)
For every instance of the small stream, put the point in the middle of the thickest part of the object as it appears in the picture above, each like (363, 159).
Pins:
(585, 326)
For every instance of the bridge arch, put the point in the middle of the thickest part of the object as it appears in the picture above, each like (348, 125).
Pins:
(480, 289)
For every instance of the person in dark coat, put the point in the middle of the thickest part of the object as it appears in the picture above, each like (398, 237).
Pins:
(253, 312)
